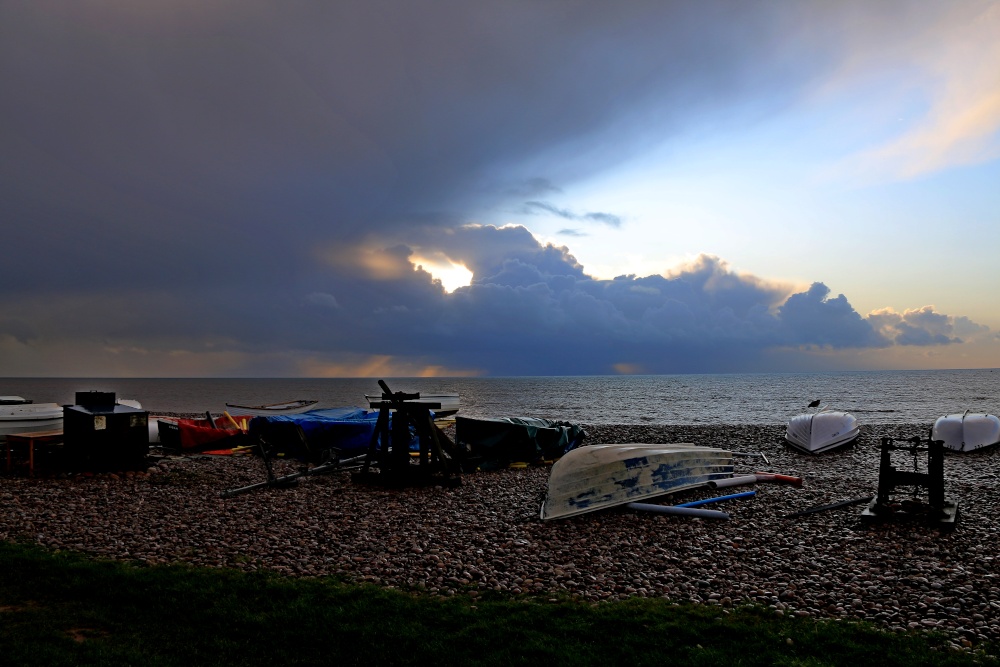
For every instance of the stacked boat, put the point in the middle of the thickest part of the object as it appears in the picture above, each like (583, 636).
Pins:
(21, 415)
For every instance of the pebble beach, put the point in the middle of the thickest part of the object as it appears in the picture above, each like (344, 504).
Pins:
(486, 535)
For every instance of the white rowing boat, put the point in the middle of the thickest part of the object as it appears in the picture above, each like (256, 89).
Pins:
(287, 408)
(967, 432)
(596, 477)
(821, 431)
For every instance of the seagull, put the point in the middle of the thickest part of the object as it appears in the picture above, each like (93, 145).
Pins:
(814, 404)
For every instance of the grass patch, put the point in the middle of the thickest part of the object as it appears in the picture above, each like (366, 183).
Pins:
(67, 609)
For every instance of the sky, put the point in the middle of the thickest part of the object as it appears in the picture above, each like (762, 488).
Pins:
(382, 188)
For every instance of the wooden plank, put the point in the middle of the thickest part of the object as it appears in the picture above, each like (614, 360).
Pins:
(36, 436)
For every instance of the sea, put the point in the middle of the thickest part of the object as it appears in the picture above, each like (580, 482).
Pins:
(874, 397)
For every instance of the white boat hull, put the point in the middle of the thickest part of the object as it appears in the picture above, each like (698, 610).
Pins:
(821, 431)
(967, 432)
(30, 418)
(289, 408)
(596, 477)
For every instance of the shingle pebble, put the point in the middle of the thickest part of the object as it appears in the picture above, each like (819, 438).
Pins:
(485, 535)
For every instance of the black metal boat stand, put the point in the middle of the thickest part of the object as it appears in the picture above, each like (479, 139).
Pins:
(389, 450)
(936, 509)
(278, 437)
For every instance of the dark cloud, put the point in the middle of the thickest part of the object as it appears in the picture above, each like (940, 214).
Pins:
(924, 326)
(604, 218)
(147, 141)
(811, 318)
(532, 187)
(258, 178)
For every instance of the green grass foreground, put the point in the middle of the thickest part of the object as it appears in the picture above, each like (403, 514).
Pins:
(67, 609)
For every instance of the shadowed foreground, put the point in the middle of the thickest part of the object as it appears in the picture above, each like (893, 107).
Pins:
(65, 609)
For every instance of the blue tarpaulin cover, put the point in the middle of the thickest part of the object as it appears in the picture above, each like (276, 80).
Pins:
(348, 429)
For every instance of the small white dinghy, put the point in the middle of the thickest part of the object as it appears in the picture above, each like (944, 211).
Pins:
(287, 408)
(595, 477)
(967, 432)
(821, 431)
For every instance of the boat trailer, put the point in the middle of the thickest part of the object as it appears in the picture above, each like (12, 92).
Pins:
(388, 461)
(289, 437)
(936, 509)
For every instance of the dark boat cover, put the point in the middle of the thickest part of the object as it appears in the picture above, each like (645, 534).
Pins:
(496, 443)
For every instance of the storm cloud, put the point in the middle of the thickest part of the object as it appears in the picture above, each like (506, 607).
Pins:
(254, 184)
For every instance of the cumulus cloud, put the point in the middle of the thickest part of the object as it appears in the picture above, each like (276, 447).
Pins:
(924, 326)
(532, 309)
(812, 318)
(537, 311)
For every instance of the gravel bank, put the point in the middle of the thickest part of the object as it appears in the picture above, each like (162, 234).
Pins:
(486, 535)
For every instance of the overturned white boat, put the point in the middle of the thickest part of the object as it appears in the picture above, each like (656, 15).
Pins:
(821, 431)
(967, 432)
(595, 477)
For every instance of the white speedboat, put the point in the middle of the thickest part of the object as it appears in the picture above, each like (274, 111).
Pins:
(595, 477)
(19, 415)
(967, 432)
(821, 431)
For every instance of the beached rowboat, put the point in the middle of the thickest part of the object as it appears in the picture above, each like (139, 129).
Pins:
(821, 431)
(288, 408)
(967, 432)
(595, 477)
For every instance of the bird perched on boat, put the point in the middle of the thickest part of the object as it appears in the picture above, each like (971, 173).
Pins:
(814, 404)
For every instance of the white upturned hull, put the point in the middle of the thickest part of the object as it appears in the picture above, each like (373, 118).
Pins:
(821, 431)
(967, 432)
(30, 418)
(596, 477)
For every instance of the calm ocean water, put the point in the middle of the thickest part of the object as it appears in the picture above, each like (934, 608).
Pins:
(874, 397)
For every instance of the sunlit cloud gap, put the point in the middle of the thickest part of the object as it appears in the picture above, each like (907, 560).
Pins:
(451, 274)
